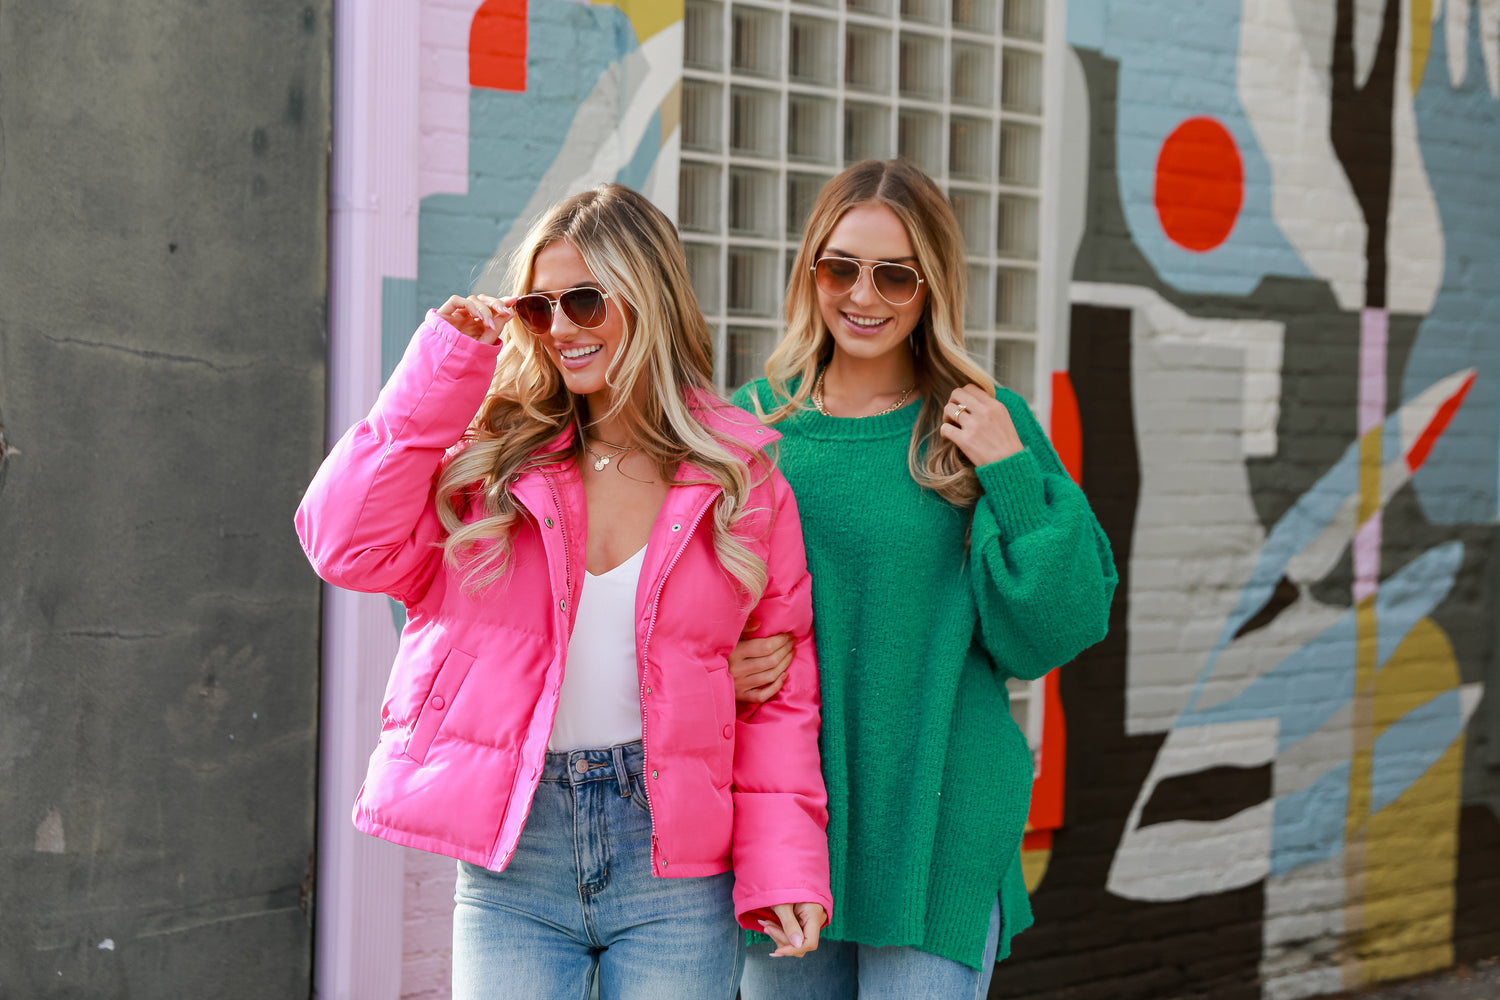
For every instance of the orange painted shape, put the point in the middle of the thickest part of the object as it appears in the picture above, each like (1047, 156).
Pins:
(1047, 790)
(497, 45)
(1067, 426)
(1037, 840)
(1440, 421)
(1200, 184)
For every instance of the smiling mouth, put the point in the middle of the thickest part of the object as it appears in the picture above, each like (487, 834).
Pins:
(865, 322)
(574, 353)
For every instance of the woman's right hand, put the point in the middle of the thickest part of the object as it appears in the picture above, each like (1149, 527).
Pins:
(478, 316)
(758, 666)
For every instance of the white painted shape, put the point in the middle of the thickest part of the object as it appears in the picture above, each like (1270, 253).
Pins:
(1181, 859)
(1367, 15)
(1489, 42)
(1414, 245)
(1456, 35)
(443, 96)
(49, 834)
(604, 135)
(666, 172)
(1256, 653)
(108, 944)
(1259, 340)
(1284, 78)
(1071, 189)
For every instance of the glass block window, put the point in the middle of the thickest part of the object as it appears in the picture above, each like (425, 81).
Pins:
(778, 95)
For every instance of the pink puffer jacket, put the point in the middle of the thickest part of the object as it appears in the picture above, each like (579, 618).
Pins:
(474, 688)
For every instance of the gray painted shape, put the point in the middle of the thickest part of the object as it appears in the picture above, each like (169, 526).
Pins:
(163, 197)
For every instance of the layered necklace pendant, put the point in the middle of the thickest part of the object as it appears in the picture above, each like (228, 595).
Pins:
(601, 463)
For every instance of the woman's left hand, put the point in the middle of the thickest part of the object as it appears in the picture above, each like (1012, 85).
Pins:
(798, 930)
(980, 425)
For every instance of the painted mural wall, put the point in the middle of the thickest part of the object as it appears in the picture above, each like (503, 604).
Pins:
(1281, 221)
(1280, 387)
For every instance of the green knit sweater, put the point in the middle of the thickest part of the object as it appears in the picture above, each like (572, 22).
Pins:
(929, 778)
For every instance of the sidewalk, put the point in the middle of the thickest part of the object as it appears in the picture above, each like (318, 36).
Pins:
(1480, 981)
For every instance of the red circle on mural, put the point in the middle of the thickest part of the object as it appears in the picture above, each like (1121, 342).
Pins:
(1200, 184)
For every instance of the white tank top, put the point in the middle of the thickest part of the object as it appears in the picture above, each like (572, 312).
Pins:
(600, 701)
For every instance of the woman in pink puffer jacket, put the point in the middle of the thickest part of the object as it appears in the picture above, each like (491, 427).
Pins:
(580, 530)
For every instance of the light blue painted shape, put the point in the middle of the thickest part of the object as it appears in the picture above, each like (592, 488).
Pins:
(1308, 826)
(1179, 61)
(399, 317)
(1310, 686)
(1459, 135)
(1412, 744)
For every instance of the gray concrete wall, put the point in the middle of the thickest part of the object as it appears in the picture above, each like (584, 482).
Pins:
(163, 197)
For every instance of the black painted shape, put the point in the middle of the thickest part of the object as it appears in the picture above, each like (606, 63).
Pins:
(1476, 911)
(1209, 795)
(1360, 125)
(1283, 597)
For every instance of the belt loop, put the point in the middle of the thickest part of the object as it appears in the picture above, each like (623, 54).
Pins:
(621, 775)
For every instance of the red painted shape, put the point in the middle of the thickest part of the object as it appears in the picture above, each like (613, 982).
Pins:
(497, 45)
(1047, 790)
(1200, 184)
(1440, 421)
(1036, 840)
(1067, 426)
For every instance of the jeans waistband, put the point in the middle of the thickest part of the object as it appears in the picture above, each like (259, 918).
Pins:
(616, 763)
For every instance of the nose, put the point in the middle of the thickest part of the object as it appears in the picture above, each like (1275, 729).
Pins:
(864, 288)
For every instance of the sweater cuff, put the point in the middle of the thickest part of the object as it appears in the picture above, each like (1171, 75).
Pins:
(1013, 489)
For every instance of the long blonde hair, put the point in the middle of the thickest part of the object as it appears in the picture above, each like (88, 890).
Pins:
(942, 362)
(664, 366)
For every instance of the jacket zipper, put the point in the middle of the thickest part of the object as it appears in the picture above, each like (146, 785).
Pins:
(646, 661)
(568, 612)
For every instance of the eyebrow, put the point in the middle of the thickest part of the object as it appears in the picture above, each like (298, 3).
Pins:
(835, 252)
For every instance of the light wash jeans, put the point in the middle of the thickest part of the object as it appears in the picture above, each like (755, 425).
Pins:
(579, 901)
(843, 970)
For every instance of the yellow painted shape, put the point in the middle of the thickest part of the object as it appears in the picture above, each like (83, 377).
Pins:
(1361, 754)
(1410, 848)
(1369, 472)
(647, 16)
(1034, 867)
(1420, 12)
(671, 112)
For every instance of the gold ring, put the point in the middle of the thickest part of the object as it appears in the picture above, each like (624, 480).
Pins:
(959, 410)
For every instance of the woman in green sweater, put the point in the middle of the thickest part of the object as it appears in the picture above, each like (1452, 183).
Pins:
(949, 551)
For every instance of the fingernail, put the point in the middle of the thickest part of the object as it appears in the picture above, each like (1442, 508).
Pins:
(796, 940)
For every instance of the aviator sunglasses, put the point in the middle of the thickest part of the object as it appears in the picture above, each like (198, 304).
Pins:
(896, 283)
(585, 307)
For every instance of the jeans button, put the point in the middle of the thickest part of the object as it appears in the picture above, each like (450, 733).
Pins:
(582, 767)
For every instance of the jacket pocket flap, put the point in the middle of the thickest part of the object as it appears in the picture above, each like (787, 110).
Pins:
(439, 702)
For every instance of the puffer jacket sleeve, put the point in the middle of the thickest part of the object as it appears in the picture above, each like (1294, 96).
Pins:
(368, 521)
(1043, 573)
(780, 851)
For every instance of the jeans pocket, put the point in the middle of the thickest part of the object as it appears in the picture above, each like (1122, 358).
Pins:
(638, 792)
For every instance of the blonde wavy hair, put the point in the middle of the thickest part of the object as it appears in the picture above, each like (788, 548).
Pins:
(664, 367)
(941, 360)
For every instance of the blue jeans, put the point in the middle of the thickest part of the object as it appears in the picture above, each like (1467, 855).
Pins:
(579, 901)
(843, 970)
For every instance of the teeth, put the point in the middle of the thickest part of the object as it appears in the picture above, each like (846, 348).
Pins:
(580, 352)
(863, 320)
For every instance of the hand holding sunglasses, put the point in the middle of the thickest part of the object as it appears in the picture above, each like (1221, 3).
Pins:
(478, 316)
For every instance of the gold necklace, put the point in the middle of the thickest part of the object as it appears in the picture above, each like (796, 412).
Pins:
(817, 398)
(600, 461)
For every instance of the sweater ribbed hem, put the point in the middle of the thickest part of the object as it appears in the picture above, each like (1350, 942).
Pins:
(1013, 490)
